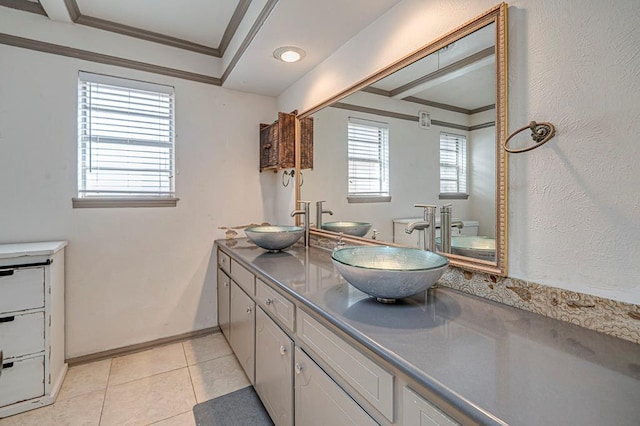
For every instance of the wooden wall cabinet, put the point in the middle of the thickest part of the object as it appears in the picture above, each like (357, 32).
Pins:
(277, 143)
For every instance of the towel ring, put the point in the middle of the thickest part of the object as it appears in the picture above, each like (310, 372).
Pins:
(540, 133)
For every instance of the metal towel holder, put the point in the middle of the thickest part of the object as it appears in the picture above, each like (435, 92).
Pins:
(540, 133)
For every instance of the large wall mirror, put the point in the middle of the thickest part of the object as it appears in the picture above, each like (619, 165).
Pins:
(426, 130)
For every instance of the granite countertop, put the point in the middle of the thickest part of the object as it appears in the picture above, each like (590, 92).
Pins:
(496, 363)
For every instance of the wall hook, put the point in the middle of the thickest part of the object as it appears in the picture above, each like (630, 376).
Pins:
(540, 133)
(289, 175)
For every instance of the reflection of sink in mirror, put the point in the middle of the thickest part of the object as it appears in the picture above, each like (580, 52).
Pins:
(274, 238)
(478, 247)
(389, 273)
(358, 229)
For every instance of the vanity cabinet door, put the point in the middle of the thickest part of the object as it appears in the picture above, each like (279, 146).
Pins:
(420, 412)
(242, 329)
(224, 298)
(319, 400)
(274, 369)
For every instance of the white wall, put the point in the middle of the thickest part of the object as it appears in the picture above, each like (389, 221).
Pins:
(574, 204)
(133, 274)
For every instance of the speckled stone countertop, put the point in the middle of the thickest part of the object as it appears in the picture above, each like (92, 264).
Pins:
(493, 362)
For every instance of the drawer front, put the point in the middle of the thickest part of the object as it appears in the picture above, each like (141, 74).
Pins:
(22, 334)
(319, 401)
(373, 382)
(21, 381)
(418, 411)
(243, 278)
(21, 289)
(274, 303)
(224, 261)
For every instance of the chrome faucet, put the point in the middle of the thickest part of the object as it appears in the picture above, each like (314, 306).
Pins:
(319, 212)
(428, 225)
(304, 211)
(445, 227)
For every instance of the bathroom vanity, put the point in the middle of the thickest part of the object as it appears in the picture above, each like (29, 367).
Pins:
(318, 351)
(31, 325)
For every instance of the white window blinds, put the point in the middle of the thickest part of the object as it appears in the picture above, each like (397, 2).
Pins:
(125, 138)
(453, 164)
(368, 152)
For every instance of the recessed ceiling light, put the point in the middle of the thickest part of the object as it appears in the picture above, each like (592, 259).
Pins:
(289, 54)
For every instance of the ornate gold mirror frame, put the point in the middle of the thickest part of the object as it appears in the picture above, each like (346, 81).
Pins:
(498, 16)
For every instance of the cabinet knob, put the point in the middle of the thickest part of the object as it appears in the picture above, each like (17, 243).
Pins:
(283, 350)
(249, 309)
(267, 146)
(226, 283)
(299, 368)
(268, 301)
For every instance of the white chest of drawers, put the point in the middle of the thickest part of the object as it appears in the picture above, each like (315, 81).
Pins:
(31, 325)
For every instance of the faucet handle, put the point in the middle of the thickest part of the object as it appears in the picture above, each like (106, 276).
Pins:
(319, 203)
(425, 206)
(446, 208)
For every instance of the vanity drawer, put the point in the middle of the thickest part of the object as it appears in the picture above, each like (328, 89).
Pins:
(21, 380)
(22, 334)
(224, 261)
(21, 289)
(243, 278)
(373, 382)
(275, 304)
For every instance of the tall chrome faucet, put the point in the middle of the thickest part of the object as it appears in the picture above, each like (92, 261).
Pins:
(304, 211)
(320, 212)
(428, 225)
(445, 227)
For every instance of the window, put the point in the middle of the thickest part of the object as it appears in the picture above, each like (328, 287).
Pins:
(453, 166)
(368, 153)
(125, 143)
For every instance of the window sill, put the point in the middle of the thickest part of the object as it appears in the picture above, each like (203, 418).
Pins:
(123, 202)
(453, 196)
(369, 198)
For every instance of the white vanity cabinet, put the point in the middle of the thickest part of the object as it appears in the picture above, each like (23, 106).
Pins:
(320, 401)
(274, 369)
(242, 329)
(31, 325)
(418, 411)
(305, 371)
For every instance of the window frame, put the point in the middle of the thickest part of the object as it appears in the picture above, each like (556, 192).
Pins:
(461, 165)
(383, 193)
(91, 197)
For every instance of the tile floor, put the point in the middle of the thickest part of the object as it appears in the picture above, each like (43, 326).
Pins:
(159, 386)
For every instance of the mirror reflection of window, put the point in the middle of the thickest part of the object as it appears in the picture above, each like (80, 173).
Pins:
(368, 158)
(453, 166)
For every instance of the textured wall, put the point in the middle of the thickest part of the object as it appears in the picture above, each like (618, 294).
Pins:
(574, 204)
(132, 274)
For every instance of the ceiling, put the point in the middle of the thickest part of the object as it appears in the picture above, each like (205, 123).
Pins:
(208, 27)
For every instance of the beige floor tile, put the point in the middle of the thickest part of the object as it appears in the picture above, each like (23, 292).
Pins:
(83, 410)
(148, 400)
(85, 378)
(206, 348)
(184, 419)
(148, 363)
(217, 377)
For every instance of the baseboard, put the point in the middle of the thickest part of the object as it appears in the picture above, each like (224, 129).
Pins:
(139, 347)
